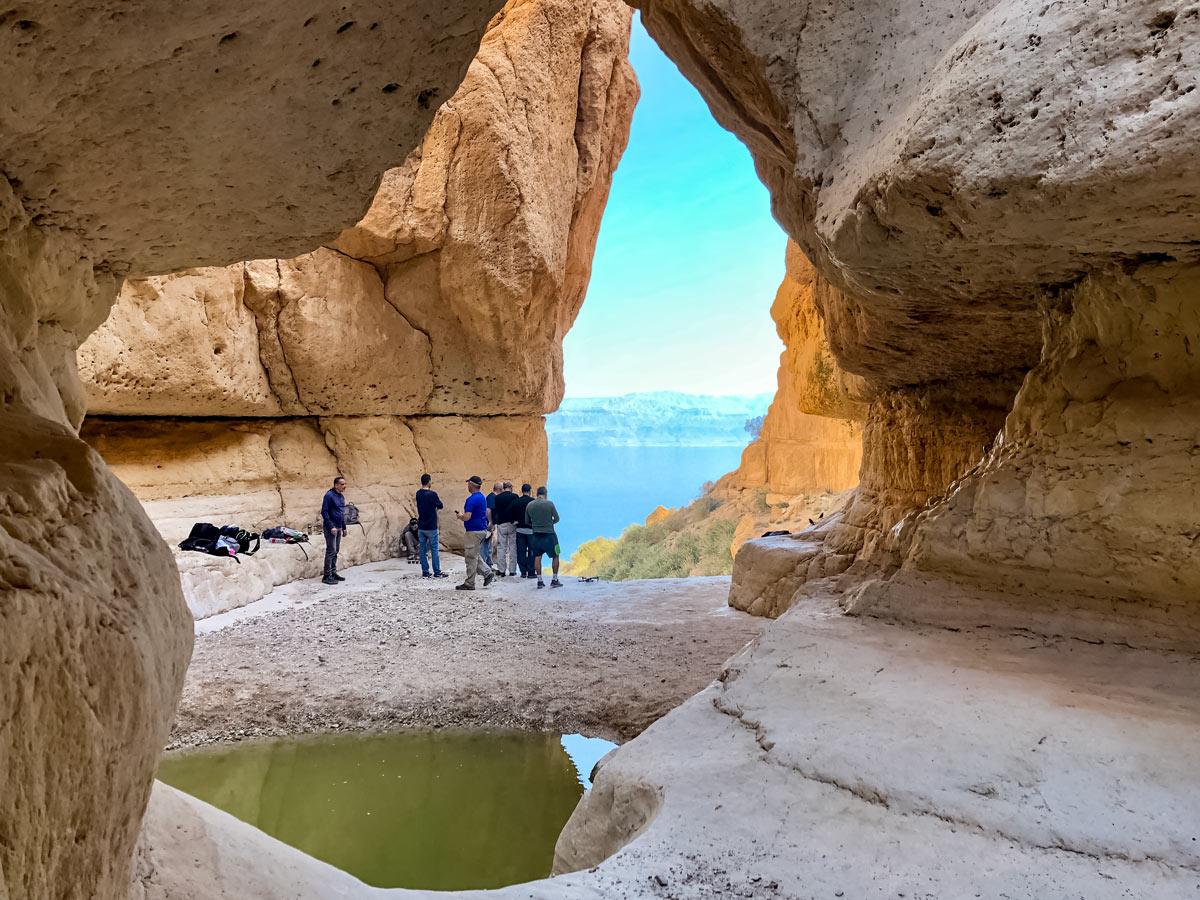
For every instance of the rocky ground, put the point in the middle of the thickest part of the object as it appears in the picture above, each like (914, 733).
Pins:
(389, 649)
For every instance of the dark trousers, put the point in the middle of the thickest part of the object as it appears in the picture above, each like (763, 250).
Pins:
(524, 553)
(333, 543)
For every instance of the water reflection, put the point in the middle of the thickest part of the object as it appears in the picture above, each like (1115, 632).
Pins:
(445, 810)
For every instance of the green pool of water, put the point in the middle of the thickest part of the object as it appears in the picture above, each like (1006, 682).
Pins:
(445, 810)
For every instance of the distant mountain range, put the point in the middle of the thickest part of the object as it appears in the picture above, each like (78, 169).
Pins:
(657, 419)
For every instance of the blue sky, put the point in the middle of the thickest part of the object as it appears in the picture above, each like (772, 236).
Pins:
(688, 258)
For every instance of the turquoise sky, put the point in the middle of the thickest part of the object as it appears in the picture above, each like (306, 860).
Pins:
(688, 258)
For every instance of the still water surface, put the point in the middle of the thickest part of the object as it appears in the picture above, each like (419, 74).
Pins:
(446, 810)
(599, 491)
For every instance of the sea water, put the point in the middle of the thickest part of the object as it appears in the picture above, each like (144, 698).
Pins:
(599, 491)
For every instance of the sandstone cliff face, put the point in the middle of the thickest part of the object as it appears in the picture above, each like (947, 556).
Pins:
(1089, 494)
(439, 317)
(811, 437)
(138, 142)
(956, 172)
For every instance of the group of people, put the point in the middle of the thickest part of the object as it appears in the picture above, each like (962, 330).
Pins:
(506, 533)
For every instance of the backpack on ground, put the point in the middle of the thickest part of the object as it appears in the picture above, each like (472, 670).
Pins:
(207, 538)
(281, 534)
(247, 542)
(284, 535)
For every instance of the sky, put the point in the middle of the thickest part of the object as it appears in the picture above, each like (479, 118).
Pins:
(688, 259)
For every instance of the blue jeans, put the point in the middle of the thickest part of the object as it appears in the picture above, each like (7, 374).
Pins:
(485, 550)
(429, 541)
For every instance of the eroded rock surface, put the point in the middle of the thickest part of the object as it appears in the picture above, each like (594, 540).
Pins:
(137, 142)
(812, 435)
(427, 338)
(960, 173)
(886, 760)
(453, 293)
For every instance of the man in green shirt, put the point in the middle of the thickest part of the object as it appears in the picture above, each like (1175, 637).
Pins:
(541, 517)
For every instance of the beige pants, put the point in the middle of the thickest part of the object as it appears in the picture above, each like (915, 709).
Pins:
(475, 561)
(505, 554)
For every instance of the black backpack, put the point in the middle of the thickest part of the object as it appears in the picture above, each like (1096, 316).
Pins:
(350, 516)
(207, 538)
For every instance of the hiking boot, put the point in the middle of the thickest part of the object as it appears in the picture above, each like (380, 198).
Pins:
(337, 577)
(328, 580)
(541, 584)
(556, 583)
(464, 587)
(487, 579)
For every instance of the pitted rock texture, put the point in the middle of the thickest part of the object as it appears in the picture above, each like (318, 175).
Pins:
(94, 636)
(952, 169)
(1082, 516)
(943, 163)
(811, 437)
(137, 141)
(453, 294)
(175, 137)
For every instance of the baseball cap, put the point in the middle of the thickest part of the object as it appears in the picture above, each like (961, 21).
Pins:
(475, 479)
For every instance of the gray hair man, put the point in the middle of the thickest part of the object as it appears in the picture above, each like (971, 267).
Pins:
(506, 531)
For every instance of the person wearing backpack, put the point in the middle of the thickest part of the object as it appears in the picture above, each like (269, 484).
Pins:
(333, 523)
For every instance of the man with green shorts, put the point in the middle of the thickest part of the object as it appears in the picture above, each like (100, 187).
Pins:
(541, 517)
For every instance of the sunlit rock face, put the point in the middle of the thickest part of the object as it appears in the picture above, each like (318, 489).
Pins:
(449, 300)
(485, 236)
(963, 175)
(141, 141)
(812, 435)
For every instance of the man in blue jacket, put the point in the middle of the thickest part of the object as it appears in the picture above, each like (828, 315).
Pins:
(475, 522)
(333, 523)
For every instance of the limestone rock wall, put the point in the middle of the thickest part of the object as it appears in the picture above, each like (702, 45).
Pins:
(957, 171)
(1089, 495)
(425, 338)
(812, 435)
(136, 141)
(453, 293)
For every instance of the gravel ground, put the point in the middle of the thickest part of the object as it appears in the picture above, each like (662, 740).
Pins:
(389, 649)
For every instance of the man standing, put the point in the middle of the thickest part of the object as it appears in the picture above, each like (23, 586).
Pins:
(428, 504)
(475, 519)
(541, 516)
(333, 523)
(506, 532)
(524, 532)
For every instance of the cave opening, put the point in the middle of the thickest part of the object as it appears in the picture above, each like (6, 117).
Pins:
(237, 391)
(982, 677)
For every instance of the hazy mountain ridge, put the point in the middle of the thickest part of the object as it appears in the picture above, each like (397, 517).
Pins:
(655, 419)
